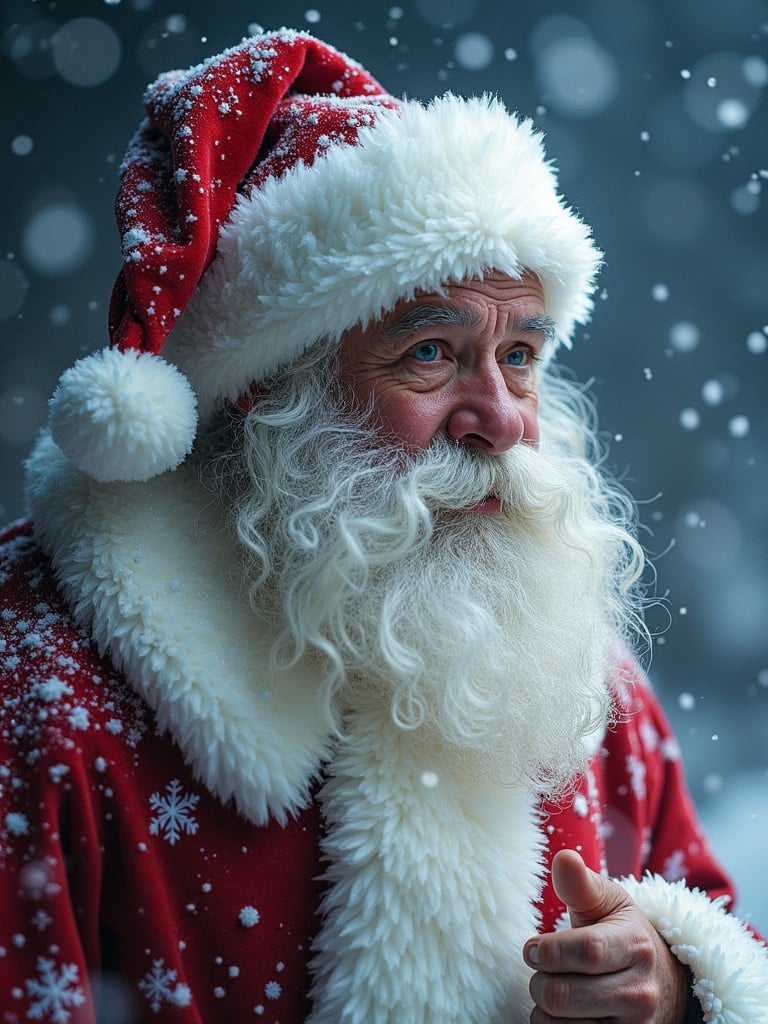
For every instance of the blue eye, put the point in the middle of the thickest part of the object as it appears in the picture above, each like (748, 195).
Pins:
(518, 357)
(427, 352)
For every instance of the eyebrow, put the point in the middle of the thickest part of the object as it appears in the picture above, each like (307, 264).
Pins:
(538, 324)
(425, 316)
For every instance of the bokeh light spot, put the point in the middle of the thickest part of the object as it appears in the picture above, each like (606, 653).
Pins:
(176, 24)
(738, 426)
(684, 336)
(757, 343)
(729, 104)
(745, 200)
(732, 113)
(473, 51)
(755, 71)
(713, 392)
(58, 239)
(579, 77)
(86, 52)
(689, 419)
(22, 145)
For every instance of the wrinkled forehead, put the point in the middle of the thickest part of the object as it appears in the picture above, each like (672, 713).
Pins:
(463, 304)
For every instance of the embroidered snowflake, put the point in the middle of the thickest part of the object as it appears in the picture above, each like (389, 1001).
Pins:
(272, 990)
(158, 987)
(173, 815)
(636, 769)
(41, 920)
(670, 749)
(580, 805)
(675, 867)
(649, 735)
(55, 993)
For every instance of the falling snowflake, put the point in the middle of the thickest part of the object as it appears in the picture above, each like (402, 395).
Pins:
(173, 813)
(248, 917)
(55, 992)
(158, 987)
(17, 824)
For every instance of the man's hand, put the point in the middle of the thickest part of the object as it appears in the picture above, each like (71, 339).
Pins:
(611, 964)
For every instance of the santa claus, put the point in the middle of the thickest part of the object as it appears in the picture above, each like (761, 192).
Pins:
(319, 699)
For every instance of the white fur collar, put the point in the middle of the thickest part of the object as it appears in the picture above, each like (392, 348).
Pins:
(159, 591)
(433, 875)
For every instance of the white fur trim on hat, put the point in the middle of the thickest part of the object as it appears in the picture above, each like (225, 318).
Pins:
(429, 195)
(123, 415)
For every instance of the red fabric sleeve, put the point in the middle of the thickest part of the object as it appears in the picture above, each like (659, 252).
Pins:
(652, 821)
(631, 812)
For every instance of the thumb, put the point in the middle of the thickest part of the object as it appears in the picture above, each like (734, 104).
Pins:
(588, 896)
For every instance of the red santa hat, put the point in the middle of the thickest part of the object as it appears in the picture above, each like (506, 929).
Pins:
(277, 194)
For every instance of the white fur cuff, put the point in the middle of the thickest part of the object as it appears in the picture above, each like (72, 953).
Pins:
(729, 965)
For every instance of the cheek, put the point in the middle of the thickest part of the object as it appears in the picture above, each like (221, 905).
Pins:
(412, 420)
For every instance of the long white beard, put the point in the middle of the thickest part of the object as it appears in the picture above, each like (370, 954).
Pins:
(491, 634)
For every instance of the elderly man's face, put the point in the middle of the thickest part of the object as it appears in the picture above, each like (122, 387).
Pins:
(462, 365)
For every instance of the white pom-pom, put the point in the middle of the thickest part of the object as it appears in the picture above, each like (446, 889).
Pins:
(124, 415)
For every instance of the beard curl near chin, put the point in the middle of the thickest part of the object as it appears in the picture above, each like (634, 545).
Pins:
(491, 634)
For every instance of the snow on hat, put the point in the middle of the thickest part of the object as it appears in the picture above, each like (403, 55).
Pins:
(277, 194)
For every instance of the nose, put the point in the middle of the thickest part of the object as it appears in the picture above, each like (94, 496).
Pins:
(488, 415)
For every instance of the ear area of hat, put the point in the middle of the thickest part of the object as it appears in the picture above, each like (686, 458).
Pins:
(123, 415)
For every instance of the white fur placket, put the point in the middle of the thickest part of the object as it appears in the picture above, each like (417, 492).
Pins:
(433, 875)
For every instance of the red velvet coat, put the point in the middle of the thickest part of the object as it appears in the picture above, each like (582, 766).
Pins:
(126, 884)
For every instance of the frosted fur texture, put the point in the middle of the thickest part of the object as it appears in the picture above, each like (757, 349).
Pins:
(123, 415)
(250, 734)
(433, 878)
(428, 196)
(704, 937)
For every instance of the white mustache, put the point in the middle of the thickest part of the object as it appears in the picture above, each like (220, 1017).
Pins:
(451, 477)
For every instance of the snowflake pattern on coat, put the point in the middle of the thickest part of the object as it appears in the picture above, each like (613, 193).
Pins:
(55, 992)
(159, 986)
(173, 815)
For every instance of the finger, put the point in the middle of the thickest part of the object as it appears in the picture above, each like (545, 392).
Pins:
(538, 1016)
(578, 997)
(588, 896)
(593, 950)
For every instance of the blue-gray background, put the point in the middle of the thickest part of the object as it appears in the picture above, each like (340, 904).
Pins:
(656, 116)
